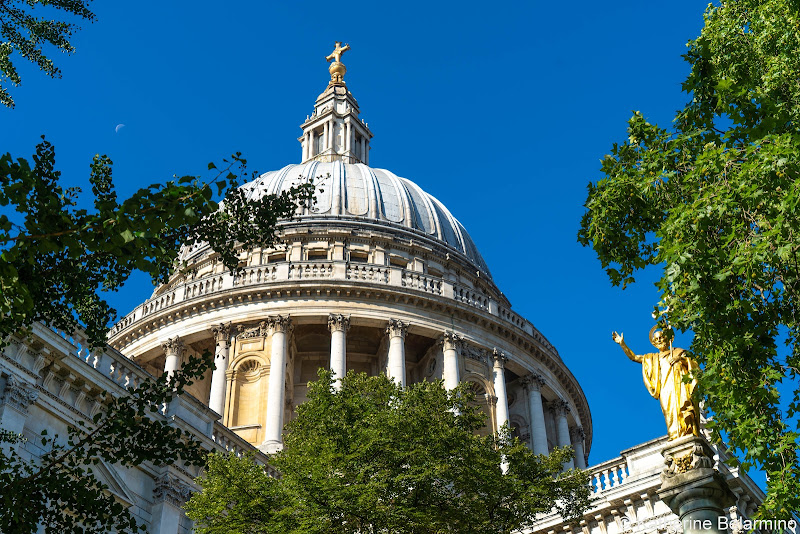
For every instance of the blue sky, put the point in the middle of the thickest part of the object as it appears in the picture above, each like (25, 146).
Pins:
(502, 111)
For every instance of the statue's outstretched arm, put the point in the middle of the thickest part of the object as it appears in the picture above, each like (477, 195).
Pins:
(618, 338)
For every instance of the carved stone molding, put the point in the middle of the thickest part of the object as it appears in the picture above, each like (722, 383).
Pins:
(171, 490)
(280, 323)
(397, 328)
(338, 322)
(173, 347)
(451, 341)
(577, 434)
(533, 382)
(499, 358)
(247, 332)
(560, 407)
(222, 334)
(18, 395)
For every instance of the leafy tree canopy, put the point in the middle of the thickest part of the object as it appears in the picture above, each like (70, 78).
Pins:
(25, 31)
(374, 457)
(713, 201)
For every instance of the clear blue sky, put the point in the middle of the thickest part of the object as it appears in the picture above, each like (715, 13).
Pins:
(501, 110)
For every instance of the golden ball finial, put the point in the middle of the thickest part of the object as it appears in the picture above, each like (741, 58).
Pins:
(337, 68)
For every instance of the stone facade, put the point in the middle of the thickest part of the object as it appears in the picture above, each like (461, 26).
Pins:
(52, 381)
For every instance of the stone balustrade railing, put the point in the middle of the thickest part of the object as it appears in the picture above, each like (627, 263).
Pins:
(608, 475)
(281, 272)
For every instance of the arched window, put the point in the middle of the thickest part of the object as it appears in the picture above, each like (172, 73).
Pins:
(482, 400)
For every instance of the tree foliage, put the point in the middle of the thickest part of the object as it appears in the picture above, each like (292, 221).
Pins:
(713, 200)
(375, 457)
(59, 491)
(23, 30)
(56, 257)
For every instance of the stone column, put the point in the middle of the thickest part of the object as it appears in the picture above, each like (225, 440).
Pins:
(692, 488)
(396, 364)
(338, 324)
(276, 396)
(533, 386)
(499, 374)
(348, 133)
(451, 343)
(311, 143)
(331, 133)
(222, 337)
(173, 350)
(577, 436)
(364, 150)
(561, 408)
(169, 496)
(325, 135)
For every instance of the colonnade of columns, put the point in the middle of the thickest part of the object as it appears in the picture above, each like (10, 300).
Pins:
(396, 331)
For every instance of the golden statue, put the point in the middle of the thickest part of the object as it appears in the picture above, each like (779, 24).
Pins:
(337, 68)
(663, 374)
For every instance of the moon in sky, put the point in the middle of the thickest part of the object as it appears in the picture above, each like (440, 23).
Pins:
(118, 128)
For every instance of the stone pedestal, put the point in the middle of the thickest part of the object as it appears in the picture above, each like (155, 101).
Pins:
(692, 488)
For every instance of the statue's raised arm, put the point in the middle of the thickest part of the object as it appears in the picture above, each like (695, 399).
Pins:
(620, 340)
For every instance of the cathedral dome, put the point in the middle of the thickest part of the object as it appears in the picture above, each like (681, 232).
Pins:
(375, 277)
(363, 194)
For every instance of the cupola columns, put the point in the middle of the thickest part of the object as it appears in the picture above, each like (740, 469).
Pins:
(338, 324)
(560, 409)
(222, 338)
(578, 435)
(533, 385)
(451, 343)
(173, 353)
(396, 361)
(276, 395)
(499, 374)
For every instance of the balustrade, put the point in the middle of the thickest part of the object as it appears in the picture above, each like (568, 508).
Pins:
(370, 273)
(285, 271)
(608, 475)
(422, 282)
(470, 297)
(300, 271)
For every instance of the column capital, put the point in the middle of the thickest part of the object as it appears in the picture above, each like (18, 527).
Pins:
(280, 324)
(172, 490)
(499, 358)
(173, 347)
(18, 395)
(577, 434)
(338, 322)
(397, 328)
(222, 333)
(451, 341)
(560, 407)
(532, 382)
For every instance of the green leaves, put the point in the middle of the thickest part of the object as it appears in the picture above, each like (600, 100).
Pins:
(24, 32)
(714, 202)
(374, 457)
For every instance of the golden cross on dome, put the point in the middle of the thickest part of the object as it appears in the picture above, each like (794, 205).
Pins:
(336, 55)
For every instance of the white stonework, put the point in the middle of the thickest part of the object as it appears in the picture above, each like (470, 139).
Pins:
(377, 277)
(52, 381)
